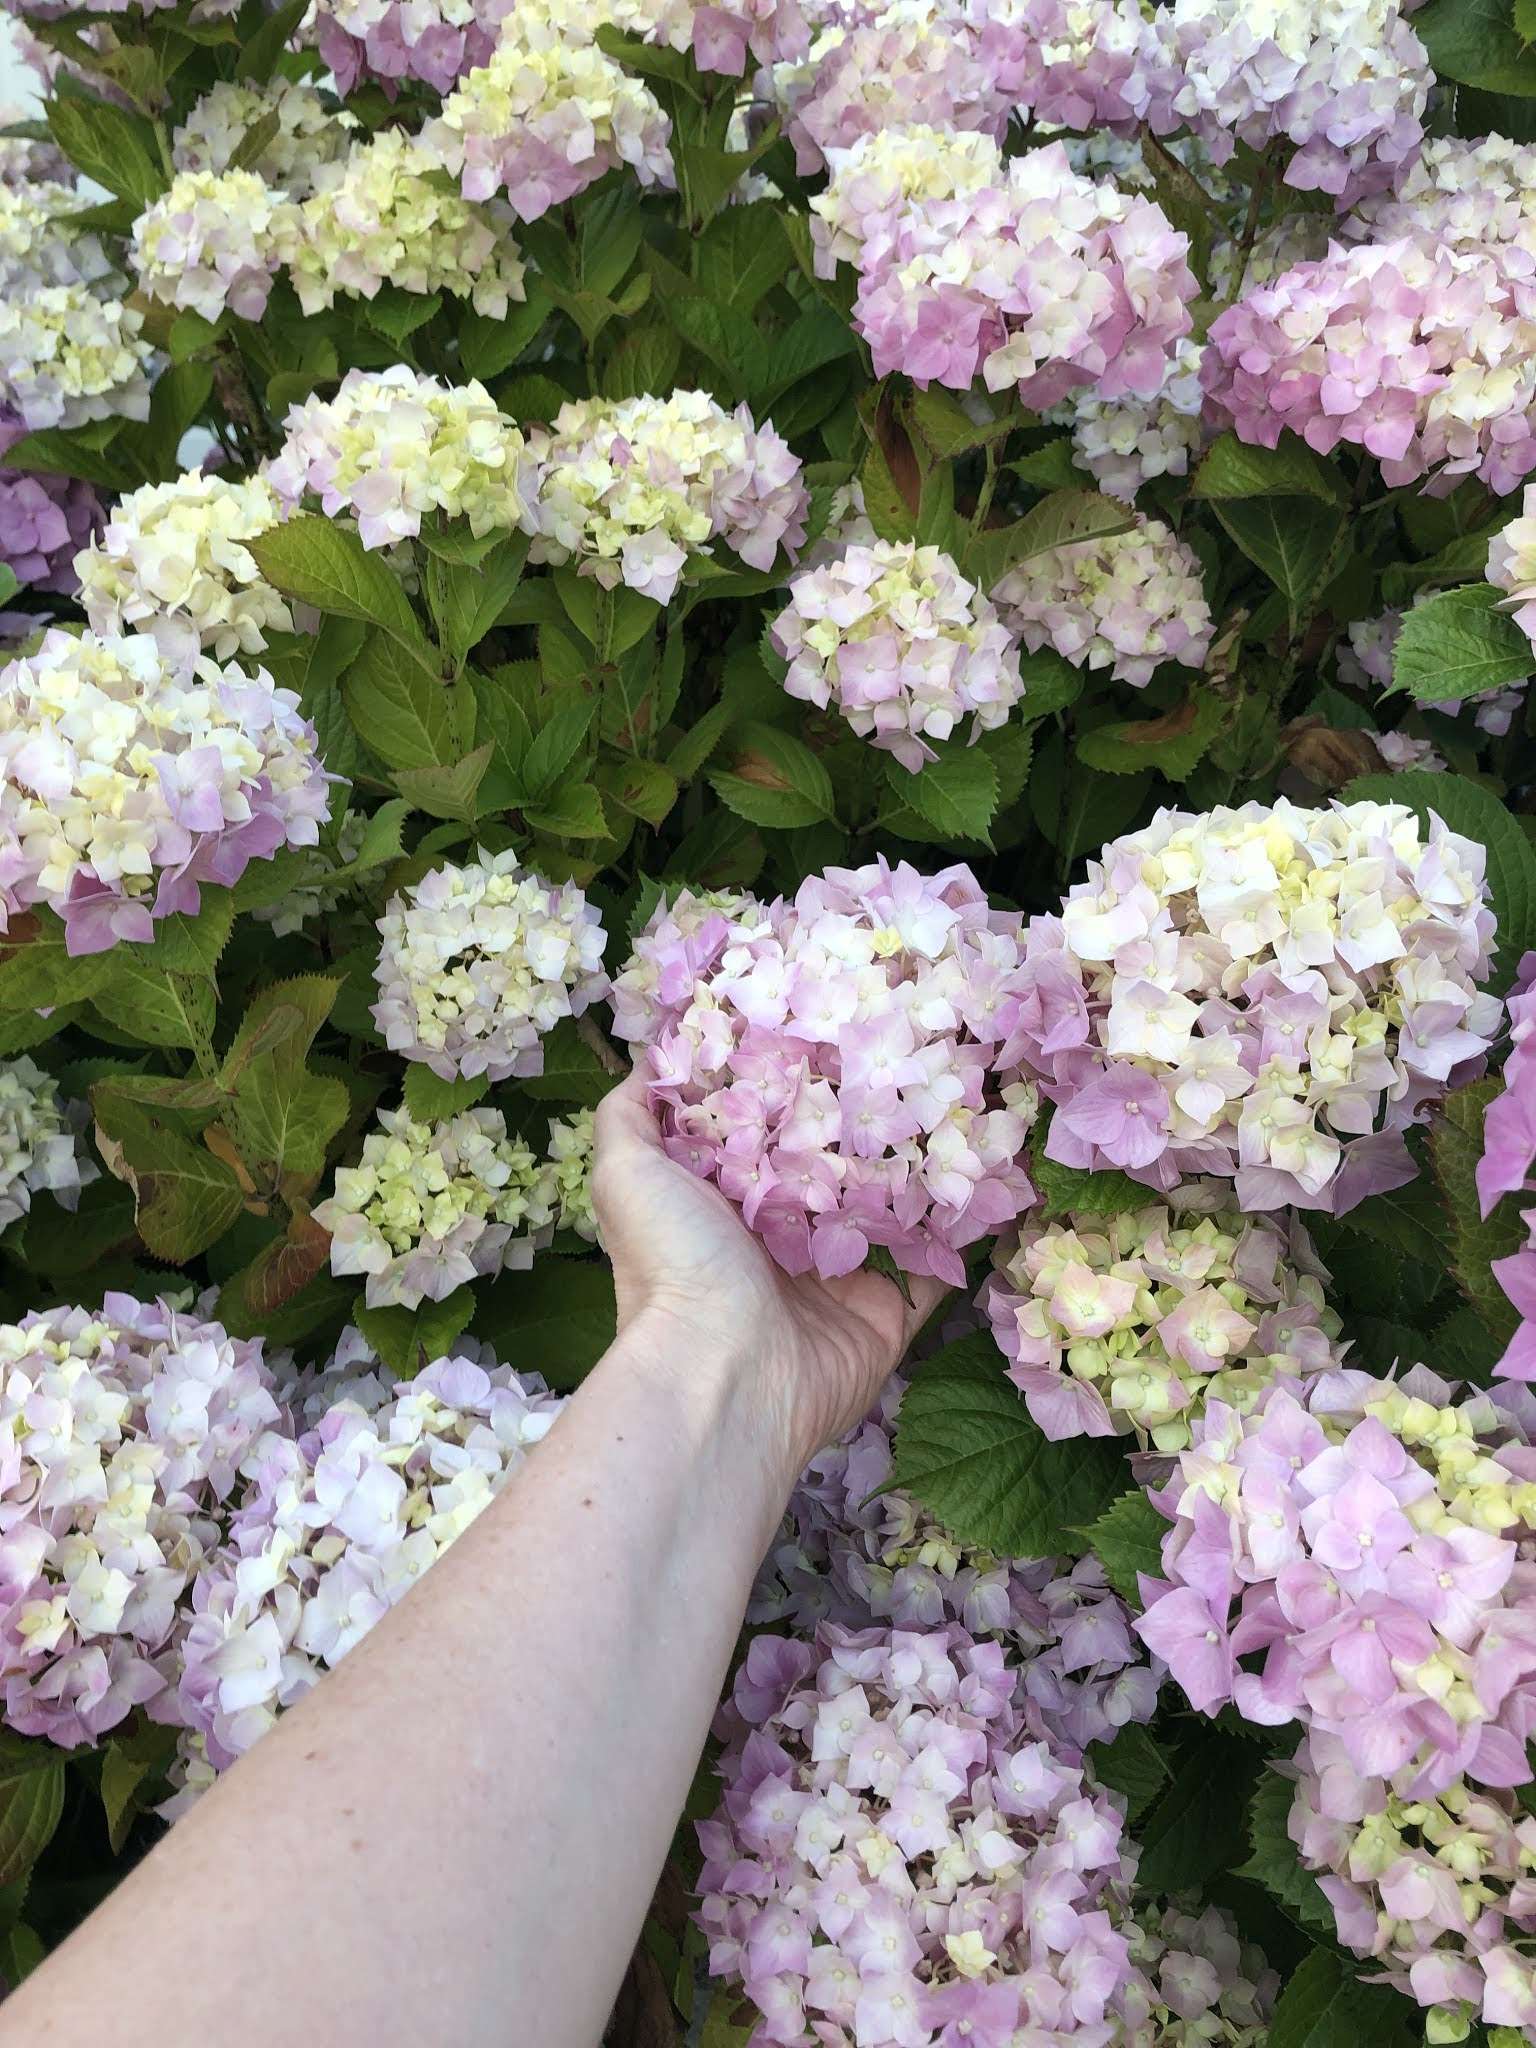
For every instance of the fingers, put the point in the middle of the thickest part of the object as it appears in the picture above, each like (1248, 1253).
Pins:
(927, 1294)
(625, 1118)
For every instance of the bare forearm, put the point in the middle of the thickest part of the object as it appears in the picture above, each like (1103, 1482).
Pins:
(455, 1836)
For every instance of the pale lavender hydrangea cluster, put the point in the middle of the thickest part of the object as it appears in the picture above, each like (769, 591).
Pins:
(1125, 442)
(1135, 1321)
(1436, 1888)
(1464, 193)
(479, 962)
(1086, 65)
(123, 1435)
(1126, 601)
(1420, 354)
(128, 779)
(1267, 992)
(853, 1553)
(1040, 280)
(44, 520)
(1509, 1148)
(435, 41)
(213, 243)
(1357, 1554)
(900, 642)
(835, 1063)
(629, 488)
(334, 1528)
(899, 1859)
(40, 1141)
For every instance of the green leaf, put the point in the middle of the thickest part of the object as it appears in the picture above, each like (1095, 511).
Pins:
(287, 1114)
(192, 945)
(403, 714)
(467, 600)
(432, 1100)
(1237, 469)
(555, 744)
(572, 812)
(1459, 643)
(1290, 539)
(957, 794)
(1275, 1862)
(9, 584)
(1410, 1219)
(31, 1807)
(1195, 1828)
(327, 566)
(1455, 1147)
(644, 788)
(397, 314)
(572, 1070)
(646, 360)
(448, 792)
(1056, 522)
(740, 256)
(967, 1450)
(113, 147)
(1325, 2005)
(1474, 42)
(1133, 1766)
(260, 51)
(1067, 1188)
(488, 347)
(154, 1007)
(948, 429)
(1127, 1539)
(1468, 808)
(409, 1339)
(313, 665)
(775, 779)
(556, 1319)
(1174, 744)
(121, 1777)
(1051, 683)
(184, 1198)
(75, 451)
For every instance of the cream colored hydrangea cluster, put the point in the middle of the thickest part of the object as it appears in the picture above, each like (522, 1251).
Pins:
(214, 242)
(310, 134)
(854, 220)
(1135, 1321)
(430, 1207)
(1459, 192)
(1126, 602)
(630, 487)
(1512, 564)
(568, 1164)
(382, 215)
(393, 445)
(67, 357)
(172, 561)
(39, 1141)
(38, 243)
(479, 962)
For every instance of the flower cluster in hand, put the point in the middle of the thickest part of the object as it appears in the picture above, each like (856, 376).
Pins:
(1127, 441)
(852, 1553)
(479, 962)
(67, 357)
(213, 243)
(899, 1860)
(39, 1141)
(124, 1433)
(1437, 1888)
(335, 1527)
(906, 648)
(1509, 1147)
(548, 113)
(1269, 993)
(127, 779)
(44, 520)
(1126, 602)
(1040, 280)
(835, 1063)
(393, 445)
(630, 487)
(309, 134)
(430, 1207)
(1421, 354)
(380, 216)
(173, 562)
(1353, 1554)
(1135, 1321)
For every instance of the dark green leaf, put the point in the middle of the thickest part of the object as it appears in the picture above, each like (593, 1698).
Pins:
(112, 146)
(1275, 1862)
(1127, 1540)
(410, 1339)
(1238, 469)
(957, 794)
(557, 1319)
(320, 563)
(1325, 2005)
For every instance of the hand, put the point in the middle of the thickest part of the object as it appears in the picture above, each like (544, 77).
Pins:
(681, 1253)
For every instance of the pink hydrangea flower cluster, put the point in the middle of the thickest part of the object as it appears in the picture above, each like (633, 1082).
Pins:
(899, 1860)
(1365, 657)
(1269, 993)
(1437, 1889)
(1358, 1555)
(835, 1063)
(44, 520)
(128, 779)
(872, 184)
(1087, 65)
(906, 648)
(479, 962)
(1135, 1321)
(1509, 1147)
(122, 1437)
(435, 41)
(334, 1528)
(852, 1553)
(1042, 281)
(1420, 354)
(1127, 602)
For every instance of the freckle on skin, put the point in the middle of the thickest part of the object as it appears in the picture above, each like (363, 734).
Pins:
(357, 1842)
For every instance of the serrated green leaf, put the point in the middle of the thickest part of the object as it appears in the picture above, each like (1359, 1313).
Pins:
(968, 1451)
(1238, 469)
(1458, 644)
(410, 1339)
(1291, 539)
(113, 147)
(260, 51)
(325, 565)
(468, 599)
(153, 1006)
(1174, 744)
(1474, 42)
(1065, 1188)
(399, 711)
(1057, 521)
(1195, 1828)
(31, 1807)
(554, 746)
(1275, 1863)
(556, 1319)
(957, 794)
(449, 791)
(184, 1198)
(775, 779)
(574, 811)
(487, 347)
(192, 945)
(644, 361)
(1133, 1766)
(1325, 2005)
(1127, 1540)
(432, 1100)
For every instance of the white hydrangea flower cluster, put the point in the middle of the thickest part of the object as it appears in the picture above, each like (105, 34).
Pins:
(310, 134)
(24, 161)
(335, 1528)
(317, 892)
(479, 962)
(381, 216)
(125, 1432)
(1124, 442)
(39, 1141)
(549, 114)
(869, 184)
(631, 487)
(1512, 564)
(1126, 602)
(1461, 192)
(127, 780)
(901, 643)
(430, 1207)
(213, 243)
(392, 445)
(39, 245)
(67, 357)
(569, 1161)
(172, 561)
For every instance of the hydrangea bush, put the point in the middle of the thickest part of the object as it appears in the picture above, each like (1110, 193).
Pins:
(956, 580)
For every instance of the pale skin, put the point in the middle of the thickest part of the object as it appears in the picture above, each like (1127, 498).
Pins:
(455, 1837)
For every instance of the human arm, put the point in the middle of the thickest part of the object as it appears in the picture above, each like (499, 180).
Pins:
(455, 1836)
